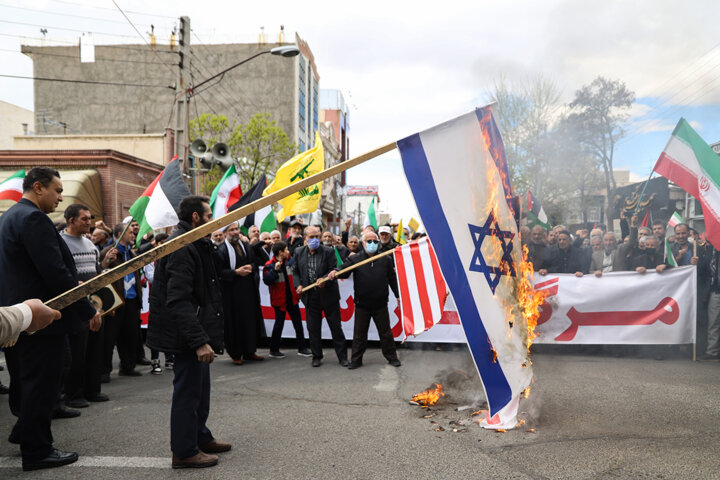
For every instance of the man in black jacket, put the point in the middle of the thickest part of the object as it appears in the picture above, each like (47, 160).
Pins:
(187, 320)
(565, 258)
(312, 262)
(36, 263)
(371, 298)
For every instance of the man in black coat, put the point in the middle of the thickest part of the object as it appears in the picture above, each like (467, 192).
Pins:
(36, 263)
(244, 325)
(313, 262)
(187, 321)
(565, 258)
(371, 299)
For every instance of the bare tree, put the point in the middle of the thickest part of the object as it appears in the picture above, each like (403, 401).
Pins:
(599, 111)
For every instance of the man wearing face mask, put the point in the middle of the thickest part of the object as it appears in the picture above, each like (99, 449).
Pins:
(371, 300)
(650, 258)
(313, 262)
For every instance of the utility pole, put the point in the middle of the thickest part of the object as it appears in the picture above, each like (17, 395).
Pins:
(182, 119)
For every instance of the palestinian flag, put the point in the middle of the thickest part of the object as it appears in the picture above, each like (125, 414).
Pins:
(157, 206)
(689, 162)
(11, 189)
(370, 217)
(264, 218)
(676, 219)
(226, 193)
(535, 213)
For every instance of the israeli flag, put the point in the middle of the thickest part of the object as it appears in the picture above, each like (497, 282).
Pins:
(458, 177)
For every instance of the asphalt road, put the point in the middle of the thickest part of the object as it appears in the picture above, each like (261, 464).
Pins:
(594, 418)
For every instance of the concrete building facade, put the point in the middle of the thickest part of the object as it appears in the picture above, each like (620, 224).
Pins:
(287, 88)
(14, 121)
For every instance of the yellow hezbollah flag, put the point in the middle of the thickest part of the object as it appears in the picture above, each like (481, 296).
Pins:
(299, 167)
(413, 224)
(400, 237)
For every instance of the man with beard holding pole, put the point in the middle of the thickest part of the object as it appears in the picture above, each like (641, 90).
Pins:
(187, 321)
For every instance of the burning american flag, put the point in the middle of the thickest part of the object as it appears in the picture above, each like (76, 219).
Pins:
(458, 176)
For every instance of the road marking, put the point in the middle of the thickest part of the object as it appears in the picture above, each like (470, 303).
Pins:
(108, 462)
(388, 380)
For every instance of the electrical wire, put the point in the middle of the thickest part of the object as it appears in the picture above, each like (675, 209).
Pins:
(85, 5)
(75, 42)
(97, 59)
(70, 15)
(66, 29)
(87, 82)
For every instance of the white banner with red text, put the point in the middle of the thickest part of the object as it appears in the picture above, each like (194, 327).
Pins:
(617, 308)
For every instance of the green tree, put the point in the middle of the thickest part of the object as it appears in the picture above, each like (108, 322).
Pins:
(599, 111)
(258, 147)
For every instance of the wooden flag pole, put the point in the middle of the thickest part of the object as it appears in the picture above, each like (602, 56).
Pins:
(351, 267)
(95, 284)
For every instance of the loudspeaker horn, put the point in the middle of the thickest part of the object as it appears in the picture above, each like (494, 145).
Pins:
(221, 155)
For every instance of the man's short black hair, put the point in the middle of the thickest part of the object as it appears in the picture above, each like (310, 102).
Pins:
(161, 237)
(683, 225)
(658, 222)
(191, 204)
(564, 232)
(278, 247)
(118, 229)
(73, 211)
(44, 175)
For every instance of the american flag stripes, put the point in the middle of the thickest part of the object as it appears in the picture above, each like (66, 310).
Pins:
(422, 288)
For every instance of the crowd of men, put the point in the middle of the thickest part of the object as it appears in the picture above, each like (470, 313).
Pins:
(642, 248)
(200, 301)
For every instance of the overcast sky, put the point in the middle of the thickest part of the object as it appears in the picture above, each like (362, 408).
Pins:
(405, 66)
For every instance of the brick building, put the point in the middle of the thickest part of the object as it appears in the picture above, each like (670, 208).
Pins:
(107, 181)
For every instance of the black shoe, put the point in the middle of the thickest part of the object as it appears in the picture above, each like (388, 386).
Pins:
(305, 352)
(4, 389)
(706, 356)
(129, 373)
(57, 458)
(143, 361)
(105, 378)
(64, 412)
(395, 362)
(77, 403)
(354, 365)
(344, 362)
(98, 397)
(316, 362)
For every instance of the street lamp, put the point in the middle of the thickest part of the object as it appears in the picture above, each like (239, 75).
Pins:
(284, 51)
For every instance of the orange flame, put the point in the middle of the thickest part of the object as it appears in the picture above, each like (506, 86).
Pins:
(429, 396)
(529, 298)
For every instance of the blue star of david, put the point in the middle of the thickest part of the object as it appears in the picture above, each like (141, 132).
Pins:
(478, 263)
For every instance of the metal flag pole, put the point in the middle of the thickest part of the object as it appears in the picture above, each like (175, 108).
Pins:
(91, 286)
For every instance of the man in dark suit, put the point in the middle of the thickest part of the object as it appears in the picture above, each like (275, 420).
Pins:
(36, 262)
(313, 262)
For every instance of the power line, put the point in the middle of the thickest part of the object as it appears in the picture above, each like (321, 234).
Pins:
(138, 31)
(75, 42)
(66, 14)
(85, 5)
(66, 29)
(97, 59)
(88, 82)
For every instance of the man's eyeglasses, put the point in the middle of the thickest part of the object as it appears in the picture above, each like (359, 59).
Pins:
(372, 241)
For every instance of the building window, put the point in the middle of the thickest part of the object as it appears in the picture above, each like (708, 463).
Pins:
(301, 146)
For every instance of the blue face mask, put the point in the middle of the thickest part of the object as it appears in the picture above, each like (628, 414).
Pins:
(313, 243)
(371, 247)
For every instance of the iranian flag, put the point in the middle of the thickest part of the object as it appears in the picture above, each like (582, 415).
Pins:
(157, 206)
(370, 217)
(11, 189)
(226, 193)
(689, 162)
